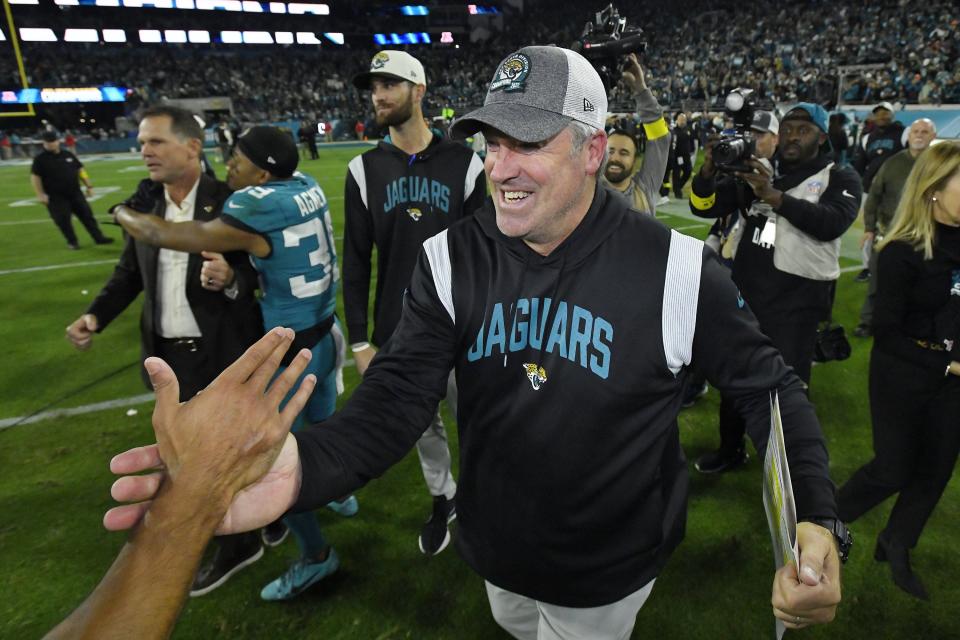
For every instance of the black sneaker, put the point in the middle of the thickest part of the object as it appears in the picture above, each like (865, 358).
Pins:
(435, 535)
(862, 331)
(104, 240)
(718, 461)
(220, 568)
(274, 533)
(693, 394)
(863, 276)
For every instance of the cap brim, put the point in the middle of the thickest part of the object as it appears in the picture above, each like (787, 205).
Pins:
(362, 80)
(520, 122)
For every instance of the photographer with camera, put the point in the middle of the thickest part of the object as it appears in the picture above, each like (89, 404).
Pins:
(789, 239)
(640, 186)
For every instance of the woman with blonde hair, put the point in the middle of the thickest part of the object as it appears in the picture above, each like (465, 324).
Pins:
(915, 363)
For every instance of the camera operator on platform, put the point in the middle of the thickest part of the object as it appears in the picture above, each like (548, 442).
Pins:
(789, 244)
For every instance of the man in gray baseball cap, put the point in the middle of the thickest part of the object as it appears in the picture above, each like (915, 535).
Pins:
(571, 323)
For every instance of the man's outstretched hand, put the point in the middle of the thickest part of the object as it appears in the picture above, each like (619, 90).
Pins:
(230, 444)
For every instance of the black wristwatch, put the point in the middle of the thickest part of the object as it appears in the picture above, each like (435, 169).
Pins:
(840, 532)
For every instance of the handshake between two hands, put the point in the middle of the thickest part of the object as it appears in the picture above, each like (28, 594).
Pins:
(227, 453)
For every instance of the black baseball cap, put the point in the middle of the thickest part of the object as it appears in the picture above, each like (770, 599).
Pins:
(49, 136)
(270, 149)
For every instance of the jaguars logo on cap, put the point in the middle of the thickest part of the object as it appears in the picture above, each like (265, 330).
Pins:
(512, 74)
(379, 61)
(536, 374)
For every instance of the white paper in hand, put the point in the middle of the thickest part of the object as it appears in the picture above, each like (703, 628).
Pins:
(778, 496)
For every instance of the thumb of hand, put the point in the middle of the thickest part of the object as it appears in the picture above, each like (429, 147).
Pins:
(211, 255)
(90, 321)
(811, 566)
(164, 382)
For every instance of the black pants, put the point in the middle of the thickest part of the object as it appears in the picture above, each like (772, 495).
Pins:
(866, 311)
(916, 438)
(62, 206)
(681, 173)
(195, 369)
(312, 146)
(795, 340)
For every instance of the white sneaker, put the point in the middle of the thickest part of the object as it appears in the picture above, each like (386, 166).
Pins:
(663, 200)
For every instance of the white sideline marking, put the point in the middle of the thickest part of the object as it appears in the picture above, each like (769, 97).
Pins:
(75, 411)
(51, 267)
(11, 223)
(856, 267)
(98, 193)
(6, 423)
(691, 226)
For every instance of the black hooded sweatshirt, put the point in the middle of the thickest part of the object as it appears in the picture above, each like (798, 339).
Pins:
(570, 369)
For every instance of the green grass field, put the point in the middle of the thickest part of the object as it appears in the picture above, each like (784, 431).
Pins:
(54, 482)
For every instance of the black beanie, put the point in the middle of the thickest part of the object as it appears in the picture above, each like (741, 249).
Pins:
(270, 149)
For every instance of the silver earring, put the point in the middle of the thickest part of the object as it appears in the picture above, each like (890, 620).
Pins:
(933, 199)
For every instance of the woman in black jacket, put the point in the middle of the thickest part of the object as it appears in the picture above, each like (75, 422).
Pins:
(914, 368)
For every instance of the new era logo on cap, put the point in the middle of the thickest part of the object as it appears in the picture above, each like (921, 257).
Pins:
(271, 160)
(588, 106)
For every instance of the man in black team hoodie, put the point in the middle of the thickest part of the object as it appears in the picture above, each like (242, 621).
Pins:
(408, 188)
(571, 324)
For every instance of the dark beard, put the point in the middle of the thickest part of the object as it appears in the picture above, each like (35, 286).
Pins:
(397, 116)
(623, 175)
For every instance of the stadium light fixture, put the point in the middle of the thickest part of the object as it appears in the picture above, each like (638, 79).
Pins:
(24, 1)
(176, 36)
(231, 37)
(107, 3)
(334, 36)
(414, 10)
(224, 5)
(81, 35)
(114, 35)
(185, 4)
(3, 38)
(249, 6)
(150, 36)
(37, 34)
(257, 37)
(278, 7)
(198, 36)
(307, 37)
(299, 8)
(283, 37)
(67, 3)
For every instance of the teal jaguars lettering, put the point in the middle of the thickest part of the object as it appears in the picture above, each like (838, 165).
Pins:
(418, 190)
(574, 333)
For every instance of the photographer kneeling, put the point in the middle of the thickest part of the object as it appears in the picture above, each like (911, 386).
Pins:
(789, 242)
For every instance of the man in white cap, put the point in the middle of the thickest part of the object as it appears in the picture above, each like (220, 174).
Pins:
(570, 322)
(411, 186)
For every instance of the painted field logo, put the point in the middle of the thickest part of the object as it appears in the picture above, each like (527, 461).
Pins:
(512, 74)
(536, 374)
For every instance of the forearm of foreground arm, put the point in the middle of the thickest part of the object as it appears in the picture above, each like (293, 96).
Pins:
(143, 591)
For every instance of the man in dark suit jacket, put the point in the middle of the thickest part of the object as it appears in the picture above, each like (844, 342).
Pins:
(199, 311)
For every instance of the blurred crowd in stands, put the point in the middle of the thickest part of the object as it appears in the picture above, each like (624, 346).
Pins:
(697, 52)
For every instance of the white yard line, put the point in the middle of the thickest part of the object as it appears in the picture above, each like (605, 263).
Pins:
(53, 267)
(76, 411)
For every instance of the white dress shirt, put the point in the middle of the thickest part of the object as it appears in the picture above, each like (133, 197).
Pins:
(176, 317)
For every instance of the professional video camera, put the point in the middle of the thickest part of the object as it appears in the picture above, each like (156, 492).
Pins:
(606, 42)
(733, 150)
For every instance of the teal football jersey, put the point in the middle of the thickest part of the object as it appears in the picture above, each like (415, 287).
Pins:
(299, 277)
